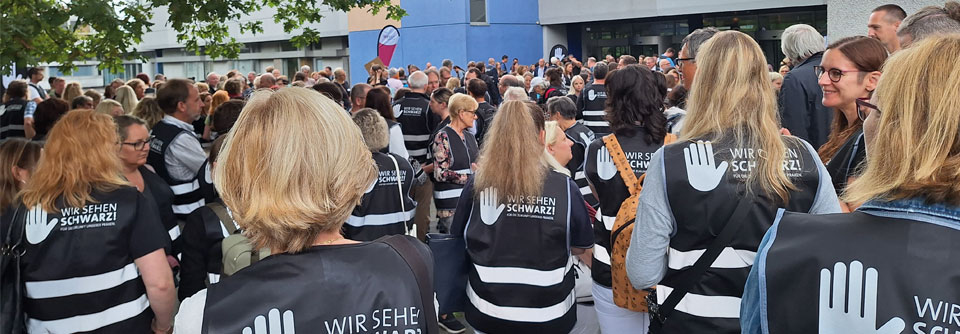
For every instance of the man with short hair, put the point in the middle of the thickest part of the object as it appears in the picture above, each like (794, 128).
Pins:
(305, 69)
(649, 62)
(540, 69)
(57, 85)
(340, 79)
(883, 25)
(444, 76)
(358, 96)
(267, 80)
(13, 113)
(508, 81)
(929, 21)
(591, 61)
(591, 105)
(801, 107)
(485, 111)
(175, 152)
(664, 65)
(668, 55)
(234, 88)
(627, 60)
(276, 73)
(36, 93)
(213, 79)
(418, 123)
(433, 80)
(504, 69)
(81, 102)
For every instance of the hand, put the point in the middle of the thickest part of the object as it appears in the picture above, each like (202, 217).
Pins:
(489, 210)
(587, 139)
(473, 166)
(37, 227)
(785, 132)
(606, 169)
(156, 328)
(702, 173)
(558, 53)
(833, 318)
(260, 324)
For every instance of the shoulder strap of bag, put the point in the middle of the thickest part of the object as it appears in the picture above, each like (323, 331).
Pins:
(623, 166)
(403, 205)
(225, 219)
(422, 273)
(695, 274)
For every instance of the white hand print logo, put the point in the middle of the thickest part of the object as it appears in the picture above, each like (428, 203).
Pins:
(702, 172)
(558, 52)
(587, 138)
(833, 318)
(591, 95)
(606, 169)
(260, 325)
(37, 226)
(489, 210)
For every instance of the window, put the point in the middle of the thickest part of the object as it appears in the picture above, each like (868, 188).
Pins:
(129, 72)
(80, 71)
(194, 70)
(478, 11)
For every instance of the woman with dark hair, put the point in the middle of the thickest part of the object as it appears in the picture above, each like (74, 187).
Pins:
(676, 102)
(554, 78)
(47, 114)
(378, 99)
(635, 113)
(849, 71)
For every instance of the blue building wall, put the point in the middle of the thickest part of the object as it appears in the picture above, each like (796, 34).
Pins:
(434, 30)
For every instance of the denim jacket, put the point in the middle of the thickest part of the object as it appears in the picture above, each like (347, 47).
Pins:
(753, 305)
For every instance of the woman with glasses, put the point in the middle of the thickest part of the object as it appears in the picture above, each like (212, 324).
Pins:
(893, 261)
(849, 71)
(454, 151)
(134, 147)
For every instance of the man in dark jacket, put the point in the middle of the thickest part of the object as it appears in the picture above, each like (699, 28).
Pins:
(801, 107)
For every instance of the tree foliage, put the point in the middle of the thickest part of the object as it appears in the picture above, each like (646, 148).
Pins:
(109, 31)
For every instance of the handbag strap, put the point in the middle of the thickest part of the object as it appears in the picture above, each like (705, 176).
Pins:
(9, 243)
(695, 274)
(634, 184)
(225, 219)
(403, 205)
(421, 272)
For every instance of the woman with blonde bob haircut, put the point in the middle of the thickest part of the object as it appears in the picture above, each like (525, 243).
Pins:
(292, 169)
(127, 98)
(519, 212)
(731, 155)
(901, 242)
(78, 210)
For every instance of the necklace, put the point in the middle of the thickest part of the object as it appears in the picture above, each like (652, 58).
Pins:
(338, 238)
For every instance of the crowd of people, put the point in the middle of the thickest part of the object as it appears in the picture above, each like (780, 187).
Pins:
(699, 191)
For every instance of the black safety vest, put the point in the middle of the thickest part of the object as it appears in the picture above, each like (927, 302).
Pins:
(581, 137)
(205, 178)
(11, 119)
(381, 212)
(592, 105)
(917, 278)
(464, 153)
(701, 215)
(187, 194)
(158, 191)
(416, 120)
(80, 274)
(358, 288)
(611, 192)
(485, 113)
(521, 260)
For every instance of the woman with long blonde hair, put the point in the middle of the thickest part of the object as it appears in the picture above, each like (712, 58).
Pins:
(282, 174)
(519, 213)
(71, 91)
(899, 247)
(149, 111)
(78, 210)
(730, 155)
(127, 98)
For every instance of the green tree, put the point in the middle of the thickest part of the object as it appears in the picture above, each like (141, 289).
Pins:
(39, 31)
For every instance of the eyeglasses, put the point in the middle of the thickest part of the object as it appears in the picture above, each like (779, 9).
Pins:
(834, 74)
(140, 144)
(864, 108)
(681, 60)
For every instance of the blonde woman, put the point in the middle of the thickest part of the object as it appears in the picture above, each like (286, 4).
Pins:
(521, 214)
(110, 107)
(71, 91)
(79, 210)
(149, 111)
(453, 84)
(576, 88)
(900, 245)
(127, 98)
(730, 155)
(455, 151)
(293, 198)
